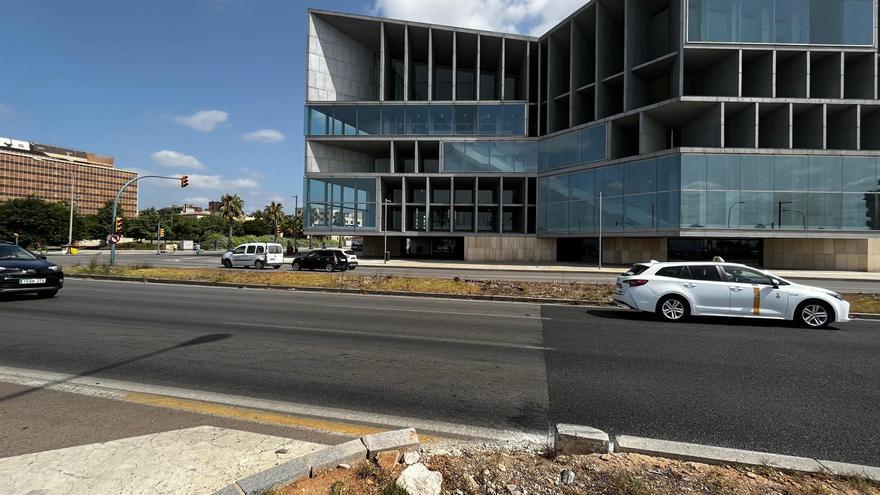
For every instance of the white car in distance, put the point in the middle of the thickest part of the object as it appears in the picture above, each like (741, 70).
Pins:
(675, 291)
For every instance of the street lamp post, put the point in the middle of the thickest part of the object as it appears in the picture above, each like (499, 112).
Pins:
(295, 232)
(600, 230)
(730, 210)
(385, 228)
(779, 212)
(116, 204)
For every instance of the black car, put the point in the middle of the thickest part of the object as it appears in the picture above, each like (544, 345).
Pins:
(328, 260)
(23, 271)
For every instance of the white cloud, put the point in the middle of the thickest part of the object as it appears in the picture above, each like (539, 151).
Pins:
(200, 200)
(204, 121)
(173, 159)
(219, 182)
(533, 17)
(265, 136)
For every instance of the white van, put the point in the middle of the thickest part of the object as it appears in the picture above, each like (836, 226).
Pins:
(255, 254)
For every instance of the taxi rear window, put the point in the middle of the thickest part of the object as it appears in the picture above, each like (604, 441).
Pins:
(635, 270)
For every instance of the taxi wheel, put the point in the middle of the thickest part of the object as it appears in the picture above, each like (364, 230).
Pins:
(814, 314)
(672, 309)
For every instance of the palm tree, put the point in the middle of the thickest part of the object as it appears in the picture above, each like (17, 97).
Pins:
(274, 213)
(231, 208)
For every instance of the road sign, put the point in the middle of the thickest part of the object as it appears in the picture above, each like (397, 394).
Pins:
(113, 238)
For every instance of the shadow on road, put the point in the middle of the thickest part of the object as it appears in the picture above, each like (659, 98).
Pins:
(204, 339)
(702, 320)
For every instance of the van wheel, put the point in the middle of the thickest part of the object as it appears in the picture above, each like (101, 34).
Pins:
(259, 265)
(227, 264)
(296, 266)
(814, 314)
(672, 309)
(329, 268)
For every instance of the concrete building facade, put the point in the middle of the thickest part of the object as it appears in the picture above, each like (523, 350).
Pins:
(49, 172)
(681, 129)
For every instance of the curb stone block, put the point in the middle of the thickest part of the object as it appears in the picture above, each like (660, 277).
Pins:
(402, 440)
(714, 455)
(290, 471)
(578, 440)
(845, 469)
(232, 489)
(331, 457)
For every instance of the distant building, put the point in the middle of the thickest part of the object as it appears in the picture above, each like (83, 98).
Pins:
(47, 172)
(188, 210)
(214, 207)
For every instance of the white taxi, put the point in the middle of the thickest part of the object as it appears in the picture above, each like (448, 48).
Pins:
(674, 291)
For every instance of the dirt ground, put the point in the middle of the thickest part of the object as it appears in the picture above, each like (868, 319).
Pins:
(494, 471)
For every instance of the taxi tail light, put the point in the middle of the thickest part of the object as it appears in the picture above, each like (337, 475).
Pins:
(637, 282)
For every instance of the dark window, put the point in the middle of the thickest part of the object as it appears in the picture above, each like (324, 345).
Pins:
(674, 272)
(635, 270)
(250, 250)
(260, 250)
(705, 272)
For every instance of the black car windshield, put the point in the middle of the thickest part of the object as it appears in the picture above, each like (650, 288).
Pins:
(10, 252)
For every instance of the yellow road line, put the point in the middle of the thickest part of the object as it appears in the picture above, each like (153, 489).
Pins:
(253, 415)
(257, 415)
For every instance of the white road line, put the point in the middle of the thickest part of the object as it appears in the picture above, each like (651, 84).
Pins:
(417, 338)
(117, 389)
(486, 315)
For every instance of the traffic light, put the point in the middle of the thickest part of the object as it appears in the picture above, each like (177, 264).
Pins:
(277, 229)
(161, 233)
(184, 181)
(118, 226)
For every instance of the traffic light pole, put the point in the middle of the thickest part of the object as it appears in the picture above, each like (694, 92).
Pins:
(116, 204)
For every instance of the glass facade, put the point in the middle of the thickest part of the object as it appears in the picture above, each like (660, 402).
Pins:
(340, 204)
(490, 156)
(584, 145)
(505, 119)
(822, 22)
(716, 192)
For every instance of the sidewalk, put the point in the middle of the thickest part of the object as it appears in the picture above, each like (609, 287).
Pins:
(612, 271)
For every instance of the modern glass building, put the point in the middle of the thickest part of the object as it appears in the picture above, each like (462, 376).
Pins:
(748, 129)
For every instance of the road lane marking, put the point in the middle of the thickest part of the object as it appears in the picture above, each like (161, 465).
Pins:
(457, 313)
(120, 389)
(417, 338)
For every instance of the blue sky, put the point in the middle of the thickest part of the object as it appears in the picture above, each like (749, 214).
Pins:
(209, 88)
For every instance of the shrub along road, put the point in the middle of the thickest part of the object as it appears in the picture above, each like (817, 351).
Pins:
(746, 384)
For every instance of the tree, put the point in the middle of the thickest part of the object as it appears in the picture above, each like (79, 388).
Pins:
(231, 209)
(105, 219)
(139, 228)
(35, 221)
(256, 227)
(274, 214)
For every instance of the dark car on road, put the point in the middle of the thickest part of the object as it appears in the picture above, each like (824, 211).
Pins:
(23, 271)
(328, 260)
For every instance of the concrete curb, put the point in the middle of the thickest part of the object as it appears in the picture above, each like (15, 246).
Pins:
(477, 297)
(575, 439)
(314, 463)
(865, 316)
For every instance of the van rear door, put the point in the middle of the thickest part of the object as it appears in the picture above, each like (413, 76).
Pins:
(274, 255)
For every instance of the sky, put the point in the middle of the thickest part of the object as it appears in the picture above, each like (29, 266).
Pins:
(213, 89)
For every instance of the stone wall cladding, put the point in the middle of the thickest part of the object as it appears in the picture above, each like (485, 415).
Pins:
(822, 254)
(339, 68)
(509, 248)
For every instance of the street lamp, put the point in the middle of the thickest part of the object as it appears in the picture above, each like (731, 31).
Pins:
(295, 232)
(730, 210)
(803, 217)
(779, 212)
(385, 228)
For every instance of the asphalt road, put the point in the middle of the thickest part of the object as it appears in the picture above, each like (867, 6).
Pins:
(189, 260)
(738, 383)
